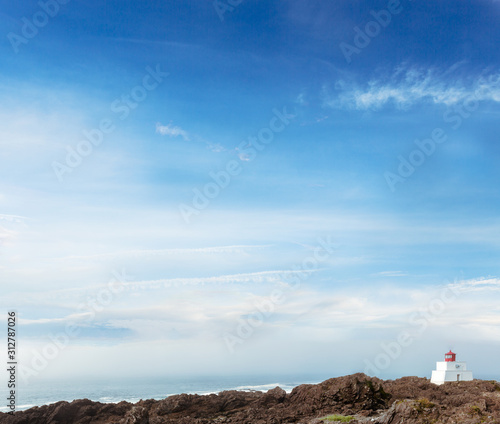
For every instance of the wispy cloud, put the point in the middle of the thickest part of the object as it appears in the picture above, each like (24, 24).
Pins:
(77, 293)
(238, 249)
(175, 131)
(391, 274)
(480, 284)
(242, 278)
(406, 87)
(473, 305)
(172, 131)
(216, 147)
(13, 218)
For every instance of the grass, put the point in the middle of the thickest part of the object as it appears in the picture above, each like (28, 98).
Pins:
(339, 418)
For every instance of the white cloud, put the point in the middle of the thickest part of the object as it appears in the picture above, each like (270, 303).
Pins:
(172, 131)
(481, 284)
(6, 235)
(251, 277)
(462, 303)
(391, 274)
(176, 251)
(406, 87)
(216, 147)
(68, 296)
(181, 321)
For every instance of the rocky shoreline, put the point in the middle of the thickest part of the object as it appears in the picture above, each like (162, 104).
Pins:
(355, 398)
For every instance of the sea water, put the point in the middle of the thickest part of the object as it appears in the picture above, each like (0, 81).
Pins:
(134, 389)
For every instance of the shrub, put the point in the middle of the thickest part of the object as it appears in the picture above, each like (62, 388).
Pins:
(339, 418)
(423, 404)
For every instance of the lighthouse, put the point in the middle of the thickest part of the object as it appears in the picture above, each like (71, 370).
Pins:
(450, 370)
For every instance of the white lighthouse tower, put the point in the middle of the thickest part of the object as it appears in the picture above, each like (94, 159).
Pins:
(450, 370)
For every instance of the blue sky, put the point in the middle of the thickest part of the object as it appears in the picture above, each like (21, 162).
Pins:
(311, 145)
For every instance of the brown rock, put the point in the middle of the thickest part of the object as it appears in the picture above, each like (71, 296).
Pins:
(408, 400)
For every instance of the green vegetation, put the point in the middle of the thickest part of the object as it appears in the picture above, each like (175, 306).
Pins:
(339, 418)
(422, 404)
(475, 410)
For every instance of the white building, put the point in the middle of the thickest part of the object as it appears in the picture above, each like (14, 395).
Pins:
(450, 370)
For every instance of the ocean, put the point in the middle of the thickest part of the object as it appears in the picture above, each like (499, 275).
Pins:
(132, 390)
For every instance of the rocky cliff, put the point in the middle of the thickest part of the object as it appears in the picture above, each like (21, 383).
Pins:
(356, 399)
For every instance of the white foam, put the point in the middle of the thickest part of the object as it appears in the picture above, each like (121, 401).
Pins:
(18, 408)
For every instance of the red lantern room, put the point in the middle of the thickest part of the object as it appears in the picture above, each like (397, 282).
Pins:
(450, 356)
